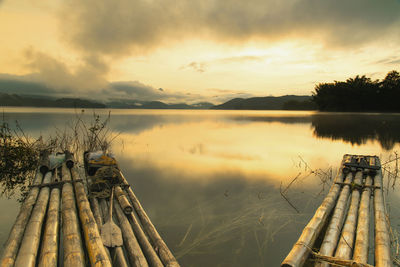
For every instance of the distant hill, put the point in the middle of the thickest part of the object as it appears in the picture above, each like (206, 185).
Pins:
(137, 104)
(36, 101)
(288, 102)
(15, 100)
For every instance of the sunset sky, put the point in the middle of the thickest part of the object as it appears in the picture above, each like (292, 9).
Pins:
(193, 50)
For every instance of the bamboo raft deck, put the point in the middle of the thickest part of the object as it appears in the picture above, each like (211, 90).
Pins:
(344, 219)
(59, 225)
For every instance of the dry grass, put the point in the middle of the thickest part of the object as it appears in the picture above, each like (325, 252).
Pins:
(82, 135)
(306, 171)
(19, 153)
(390, 172)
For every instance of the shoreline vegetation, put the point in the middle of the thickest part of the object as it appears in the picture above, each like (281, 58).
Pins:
(358, 94)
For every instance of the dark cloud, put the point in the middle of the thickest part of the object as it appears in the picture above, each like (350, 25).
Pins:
(122, 26)
(87, 76)
(14, 85)
(39, 84)
(134, 90)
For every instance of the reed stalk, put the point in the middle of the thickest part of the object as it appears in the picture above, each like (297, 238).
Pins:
(17, 231)
(346, 242)
(165, 254)
(30, 243)
(382, 239)
(72, 241)
(301, 250)
(335, 225)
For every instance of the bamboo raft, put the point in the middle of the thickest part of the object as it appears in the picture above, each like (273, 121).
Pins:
(343, 220)
(59, 224)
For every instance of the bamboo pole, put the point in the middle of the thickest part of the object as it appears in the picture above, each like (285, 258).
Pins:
(382, 239)
(119, 256)
(69, 159)
(49, 248)
(362, 235)
(44, 162)
(300, 251)
(30, 243)
(72, 241)
(335, 225)
(148, 251)
(123, 200)
(346, 242)
(135, 254)
(94, 203)
(17, 231)
(165, 254)
(99, 221)
(95, 248)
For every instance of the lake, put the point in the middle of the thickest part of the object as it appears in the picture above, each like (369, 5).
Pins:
(210, 180)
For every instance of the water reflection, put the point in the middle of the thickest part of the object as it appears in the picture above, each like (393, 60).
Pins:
(359, 128)
(225, 220)
(354, 128)
(210, 180)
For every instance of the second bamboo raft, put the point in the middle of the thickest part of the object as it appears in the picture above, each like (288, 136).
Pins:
(348, 215)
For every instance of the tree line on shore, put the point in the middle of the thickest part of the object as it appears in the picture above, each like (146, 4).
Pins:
(360, 94)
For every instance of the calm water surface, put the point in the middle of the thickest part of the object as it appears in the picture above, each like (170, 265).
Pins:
(210, 180)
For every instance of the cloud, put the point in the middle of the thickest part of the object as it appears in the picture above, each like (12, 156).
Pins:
(391, 60)
(123, 26)
(395, 62)
(222, 95)
(86, 77)
(134, 90)
(196, 66)
(202, 66)
(17, 85)
(139, 91)
(40, 84)
(241, 59)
